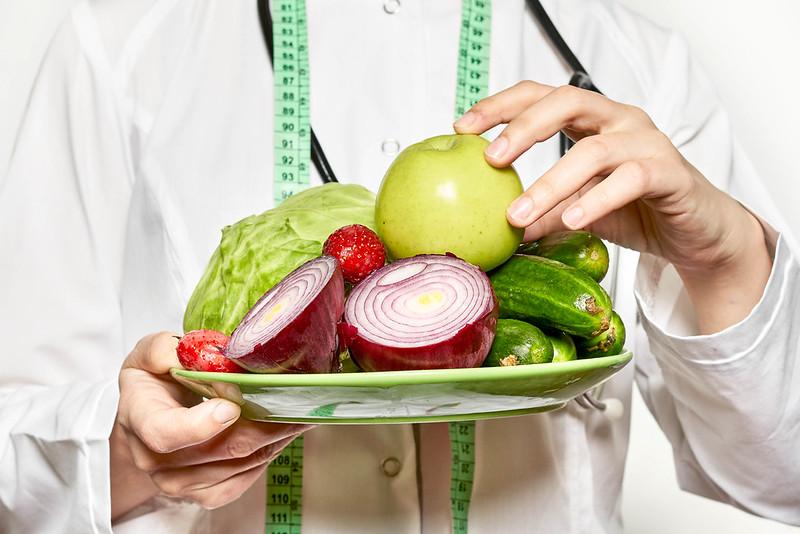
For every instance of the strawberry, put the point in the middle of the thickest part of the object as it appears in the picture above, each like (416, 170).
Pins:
(358, 249)
(203, 350)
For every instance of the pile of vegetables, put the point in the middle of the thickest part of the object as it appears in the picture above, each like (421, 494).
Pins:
(552, 305)
(302, 287)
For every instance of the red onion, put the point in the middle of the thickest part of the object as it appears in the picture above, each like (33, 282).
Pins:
(424, 312)
(292, 328)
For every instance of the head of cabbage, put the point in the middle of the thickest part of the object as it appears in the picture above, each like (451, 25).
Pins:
(259, 251)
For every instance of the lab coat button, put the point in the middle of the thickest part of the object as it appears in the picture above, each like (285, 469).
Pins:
(390, 147)
(391, 6)
(391, 466)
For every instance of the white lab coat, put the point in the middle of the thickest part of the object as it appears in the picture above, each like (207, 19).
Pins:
(149, 128)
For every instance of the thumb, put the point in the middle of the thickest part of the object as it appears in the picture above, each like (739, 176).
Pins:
(164, 427)
(155, 353)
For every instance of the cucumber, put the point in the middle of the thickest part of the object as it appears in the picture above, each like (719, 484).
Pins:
(518, 343)
(580, 249)
(606, 343)
(563, 347)
(548, 293)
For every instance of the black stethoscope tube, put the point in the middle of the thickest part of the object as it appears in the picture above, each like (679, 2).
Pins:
(580, 78)
(317, 154)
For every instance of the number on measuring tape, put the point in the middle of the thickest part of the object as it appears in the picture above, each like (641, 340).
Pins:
(462, 470)
(285, 490)
(292, 133)
(473, 54)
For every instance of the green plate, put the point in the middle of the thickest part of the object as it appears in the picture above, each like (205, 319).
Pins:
(405, 396)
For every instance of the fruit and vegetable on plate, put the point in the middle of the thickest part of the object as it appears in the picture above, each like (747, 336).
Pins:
(306, 287)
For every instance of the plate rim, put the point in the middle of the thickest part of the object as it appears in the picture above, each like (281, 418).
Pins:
(404, 420)
(399, 378)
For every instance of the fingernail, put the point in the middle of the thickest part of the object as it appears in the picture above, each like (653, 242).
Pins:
(572, 217)
(497, 148)
(466, 119)
(225, 412)
(521, 208)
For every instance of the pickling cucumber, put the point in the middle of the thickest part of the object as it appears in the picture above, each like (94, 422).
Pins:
(606, 343)
(563, 347)
(518, 343)
(548, 293)
(576, 248)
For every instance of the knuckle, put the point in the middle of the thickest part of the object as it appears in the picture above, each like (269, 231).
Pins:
(205, 499)
(520, 130)
(661, 141)
(638, 114)
(145, 462)
(262, 455)
(596, 147)
(571, 95)
(168, 485)
(141, 344)
(153, 439)
(217, 496)
(526, 85)
(479, 107)
(163, 342)
(638, 173)
(544, 189)
(140, 349)
(603, 197)
(239, 448)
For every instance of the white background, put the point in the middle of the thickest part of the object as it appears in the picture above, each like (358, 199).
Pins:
(752, 51)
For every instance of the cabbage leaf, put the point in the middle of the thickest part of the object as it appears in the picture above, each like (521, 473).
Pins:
(257, 252)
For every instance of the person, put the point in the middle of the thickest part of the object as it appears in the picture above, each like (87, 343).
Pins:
(149, 128)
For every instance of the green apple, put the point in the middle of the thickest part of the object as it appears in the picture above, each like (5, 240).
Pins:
(440, 195)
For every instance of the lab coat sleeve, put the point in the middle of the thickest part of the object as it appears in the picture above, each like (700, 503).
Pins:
(728, 402)
(62, 217)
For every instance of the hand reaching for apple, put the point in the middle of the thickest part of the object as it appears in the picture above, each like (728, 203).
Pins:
(625, 181)
(165, 440)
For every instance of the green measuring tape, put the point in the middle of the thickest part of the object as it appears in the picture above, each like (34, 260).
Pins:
(292, 152)
(292, 130)
(472, 84)
(292, 155)
(285, 490)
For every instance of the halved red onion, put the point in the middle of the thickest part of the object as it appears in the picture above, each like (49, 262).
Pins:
(292, 328)
(424, 312)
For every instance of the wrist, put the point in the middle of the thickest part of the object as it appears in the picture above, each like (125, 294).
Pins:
(130, 486)
(730, 282)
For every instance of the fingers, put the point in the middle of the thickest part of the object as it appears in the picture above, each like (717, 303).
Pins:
(164, 428)
(154, 353)
(579, 111)
(629, 182)
(226, 491)
(501, 107)
(592, 156)
(549, 223)
(181, 481)
(200, 450)
(215, 483)
(535, 112)
(239, 441)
